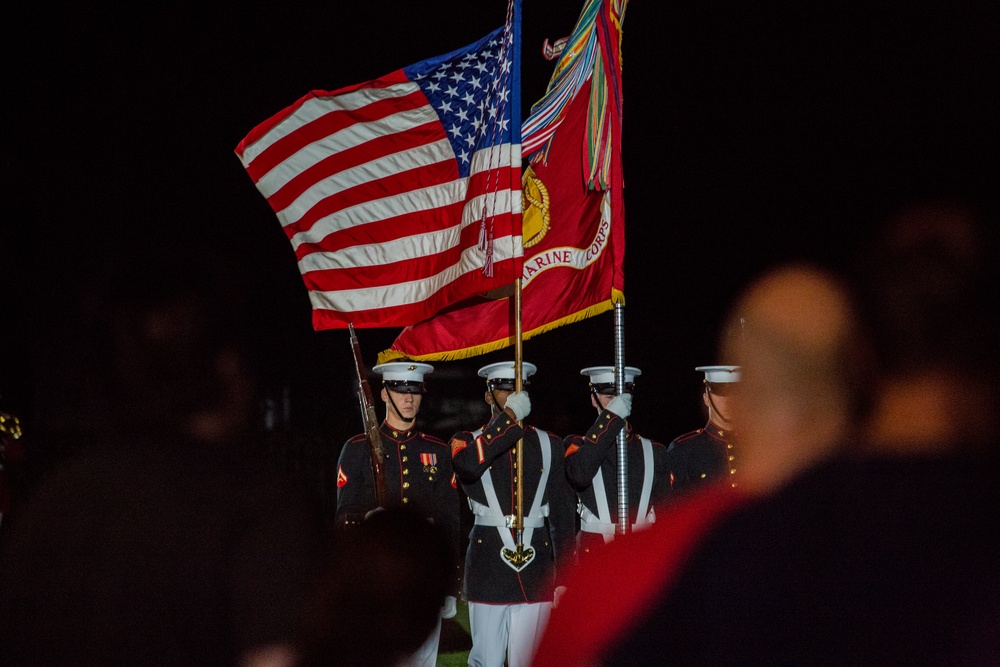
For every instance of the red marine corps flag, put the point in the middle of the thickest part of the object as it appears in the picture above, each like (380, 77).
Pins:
(401, 195)
(573, 219)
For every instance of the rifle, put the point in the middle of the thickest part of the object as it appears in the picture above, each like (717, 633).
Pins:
(372, 433)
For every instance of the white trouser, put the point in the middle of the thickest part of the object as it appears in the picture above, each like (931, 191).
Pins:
(426, 655)
(511, 630)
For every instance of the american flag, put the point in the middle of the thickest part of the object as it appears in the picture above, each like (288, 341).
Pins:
(574, 216)
(401, 195)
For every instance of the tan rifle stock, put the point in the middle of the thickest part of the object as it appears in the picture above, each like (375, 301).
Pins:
(375, 446)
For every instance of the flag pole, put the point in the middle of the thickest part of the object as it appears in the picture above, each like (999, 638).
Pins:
(624, 524)
(520, 556)
(518, 456)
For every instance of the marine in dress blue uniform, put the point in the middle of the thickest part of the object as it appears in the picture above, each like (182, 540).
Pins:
(510, 598)
(709, 453)
(418, 473)
(592, 463)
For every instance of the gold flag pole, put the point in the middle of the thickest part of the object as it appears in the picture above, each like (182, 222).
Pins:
(519, 452)
(520, 556)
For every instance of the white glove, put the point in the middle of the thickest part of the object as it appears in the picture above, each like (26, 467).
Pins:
(621, 405)
(519, 404)
(450, 607)
(557, 595)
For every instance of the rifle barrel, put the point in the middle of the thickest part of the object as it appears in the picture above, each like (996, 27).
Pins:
(375, 446)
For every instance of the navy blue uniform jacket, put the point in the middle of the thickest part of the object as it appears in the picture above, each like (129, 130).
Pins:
(596, 451)
(488, 577)
(418, 475)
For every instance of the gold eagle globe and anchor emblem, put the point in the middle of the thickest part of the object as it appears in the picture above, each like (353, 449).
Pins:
(519, 557)
(535, 217)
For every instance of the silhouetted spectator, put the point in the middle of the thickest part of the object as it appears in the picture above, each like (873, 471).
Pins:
(166, 544)
(798, 362)
(381, 596)
(929, 290)
(881, 552)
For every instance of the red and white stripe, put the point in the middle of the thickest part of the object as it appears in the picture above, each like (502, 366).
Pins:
(367, 188)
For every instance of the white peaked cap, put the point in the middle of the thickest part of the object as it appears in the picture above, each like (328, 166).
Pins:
(715, 374)
(504, 370)
(403, 371)
(606, 374)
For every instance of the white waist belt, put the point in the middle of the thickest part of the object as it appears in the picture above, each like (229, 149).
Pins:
(601, 527)
(485, 517)
(508, 521)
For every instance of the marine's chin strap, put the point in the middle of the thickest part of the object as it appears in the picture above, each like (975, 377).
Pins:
(597, 398)
(715, 410)
(495, 408)
(408, 420)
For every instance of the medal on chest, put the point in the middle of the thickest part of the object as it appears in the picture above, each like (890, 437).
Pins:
(429, 462)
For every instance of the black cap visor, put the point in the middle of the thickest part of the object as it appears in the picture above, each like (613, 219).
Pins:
(404, 386)
(723, 388)
(504, 384)
(608, 388)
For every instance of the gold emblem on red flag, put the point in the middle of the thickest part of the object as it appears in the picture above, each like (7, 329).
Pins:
(535, 202)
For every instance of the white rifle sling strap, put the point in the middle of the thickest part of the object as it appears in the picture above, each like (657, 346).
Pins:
(491, 514)
(602, 524)
(647, 482)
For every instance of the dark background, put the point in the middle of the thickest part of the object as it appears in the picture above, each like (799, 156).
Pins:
(753, 133)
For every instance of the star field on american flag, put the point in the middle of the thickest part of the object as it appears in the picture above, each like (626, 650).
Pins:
(471, 93)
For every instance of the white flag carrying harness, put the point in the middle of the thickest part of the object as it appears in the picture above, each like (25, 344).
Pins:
(491, 514)
(602, 523)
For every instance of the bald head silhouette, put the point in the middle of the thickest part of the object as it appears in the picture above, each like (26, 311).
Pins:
(800, 358)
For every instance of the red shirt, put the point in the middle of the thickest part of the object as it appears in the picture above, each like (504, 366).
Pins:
(611, 588)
